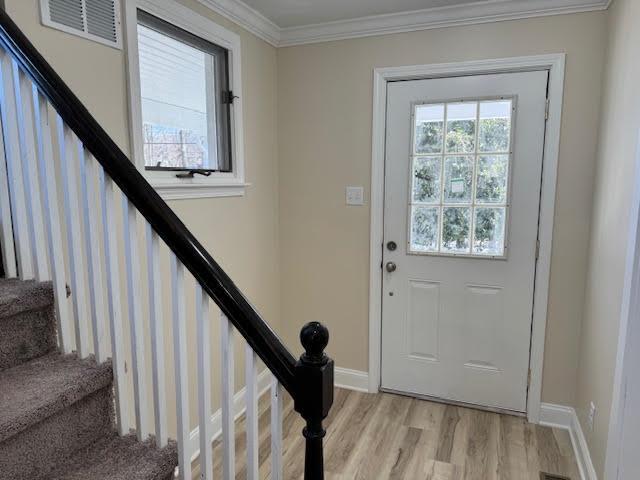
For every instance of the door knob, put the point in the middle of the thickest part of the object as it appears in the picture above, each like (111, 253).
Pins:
(391, 267)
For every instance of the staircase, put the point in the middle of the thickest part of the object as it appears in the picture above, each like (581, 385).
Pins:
(56, 411)
(84, 301)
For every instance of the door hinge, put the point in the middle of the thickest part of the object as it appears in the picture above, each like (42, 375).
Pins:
(537, 249)
(546, 109)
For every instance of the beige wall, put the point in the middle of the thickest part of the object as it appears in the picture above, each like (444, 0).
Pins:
(620, 126)
(324, 123)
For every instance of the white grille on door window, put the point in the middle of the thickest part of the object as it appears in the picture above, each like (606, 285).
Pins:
(97, 20)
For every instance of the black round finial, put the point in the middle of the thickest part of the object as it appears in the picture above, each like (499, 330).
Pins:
(315, 338)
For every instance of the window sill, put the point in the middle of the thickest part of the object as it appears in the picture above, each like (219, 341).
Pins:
(184, 189)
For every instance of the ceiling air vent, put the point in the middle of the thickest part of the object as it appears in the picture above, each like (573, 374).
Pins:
(97, 20)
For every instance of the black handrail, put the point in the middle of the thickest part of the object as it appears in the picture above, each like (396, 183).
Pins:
(310, 380)
(169, 227)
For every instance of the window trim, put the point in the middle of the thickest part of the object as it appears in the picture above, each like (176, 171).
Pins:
(218, 184)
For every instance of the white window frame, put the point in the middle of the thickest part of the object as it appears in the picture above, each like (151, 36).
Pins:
(218, 184)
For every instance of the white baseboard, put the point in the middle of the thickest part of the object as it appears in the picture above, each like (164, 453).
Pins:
(239, 407)
(351, 379)
(560, 416)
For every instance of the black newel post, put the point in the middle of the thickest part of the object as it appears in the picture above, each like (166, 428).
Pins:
(314, 379)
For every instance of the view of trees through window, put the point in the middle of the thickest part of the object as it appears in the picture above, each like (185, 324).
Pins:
(460, 173)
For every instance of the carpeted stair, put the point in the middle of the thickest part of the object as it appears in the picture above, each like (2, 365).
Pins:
(56, 411)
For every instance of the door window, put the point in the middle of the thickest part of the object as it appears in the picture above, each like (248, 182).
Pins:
(460, 177)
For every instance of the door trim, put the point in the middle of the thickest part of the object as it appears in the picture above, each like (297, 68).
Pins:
(555, 64)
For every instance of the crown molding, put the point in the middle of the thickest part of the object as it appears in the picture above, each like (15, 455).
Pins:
(465, 14)
(239, 12)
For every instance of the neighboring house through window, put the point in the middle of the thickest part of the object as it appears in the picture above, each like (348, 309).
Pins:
(184, 76)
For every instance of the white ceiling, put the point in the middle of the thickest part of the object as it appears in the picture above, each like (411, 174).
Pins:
(294, 13)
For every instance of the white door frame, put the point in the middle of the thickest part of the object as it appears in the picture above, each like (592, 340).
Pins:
(381, 76)
(628, 338)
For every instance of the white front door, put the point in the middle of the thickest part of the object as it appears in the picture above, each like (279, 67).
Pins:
(462, 188)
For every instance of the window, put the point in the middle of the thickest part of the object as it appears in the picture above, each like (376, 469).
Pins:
(186, 113)
(185, 99)
(460, 172)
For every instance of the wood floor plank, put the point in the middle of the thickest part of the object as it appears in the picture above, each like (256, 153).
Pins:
(385, 436)
(382, 434)
(512, 457)
(448, 426)
(339, 447)
(478, 447)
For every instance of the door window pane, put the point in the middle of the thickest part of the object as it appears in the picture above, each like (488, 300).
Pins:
(495, 126)
(488, 236)
(455, 229)
(458, 176)
(460, 183)
(424, 229)
(461, 127)
(426, 179)
(491, 183)
(429, 124)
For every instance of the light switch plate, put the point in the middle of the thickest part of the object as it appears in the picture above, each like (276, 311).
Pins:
(355, 195)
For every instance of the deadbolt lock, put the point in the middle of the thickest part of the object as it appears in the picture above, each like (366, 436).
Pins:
(392, 245)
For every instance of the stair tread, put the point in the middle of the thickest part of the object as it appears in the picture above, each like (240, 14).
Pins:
(17, 296)
(35, 390)
(119, 458)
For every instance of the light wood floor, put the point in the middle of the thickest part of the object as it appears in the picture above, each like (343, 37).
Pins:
(386, 436)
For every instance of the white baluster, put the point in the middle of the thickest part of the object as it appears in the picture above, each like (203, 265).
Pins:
(67, 143)
(134, 298)
(9, 112)
(89, 207)
(276, 429)
(251, 379)
(157, 335)
(228, 391)
(112, 265)
(204, 383)
(49, 190)
(6, 226)
(181, 367)
(23, 88)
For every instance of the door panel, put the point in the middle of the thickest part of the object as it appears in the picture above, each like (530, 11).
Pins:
(422, 319)
(462, 187)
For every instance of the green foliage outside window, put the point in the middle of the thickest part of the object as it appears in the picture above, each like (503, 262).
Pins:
(485, 228)
(426, 184)
(429, 137)
(461, 136)
(424, 231)
(494, 135)
(455, 229)
(492, 179)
